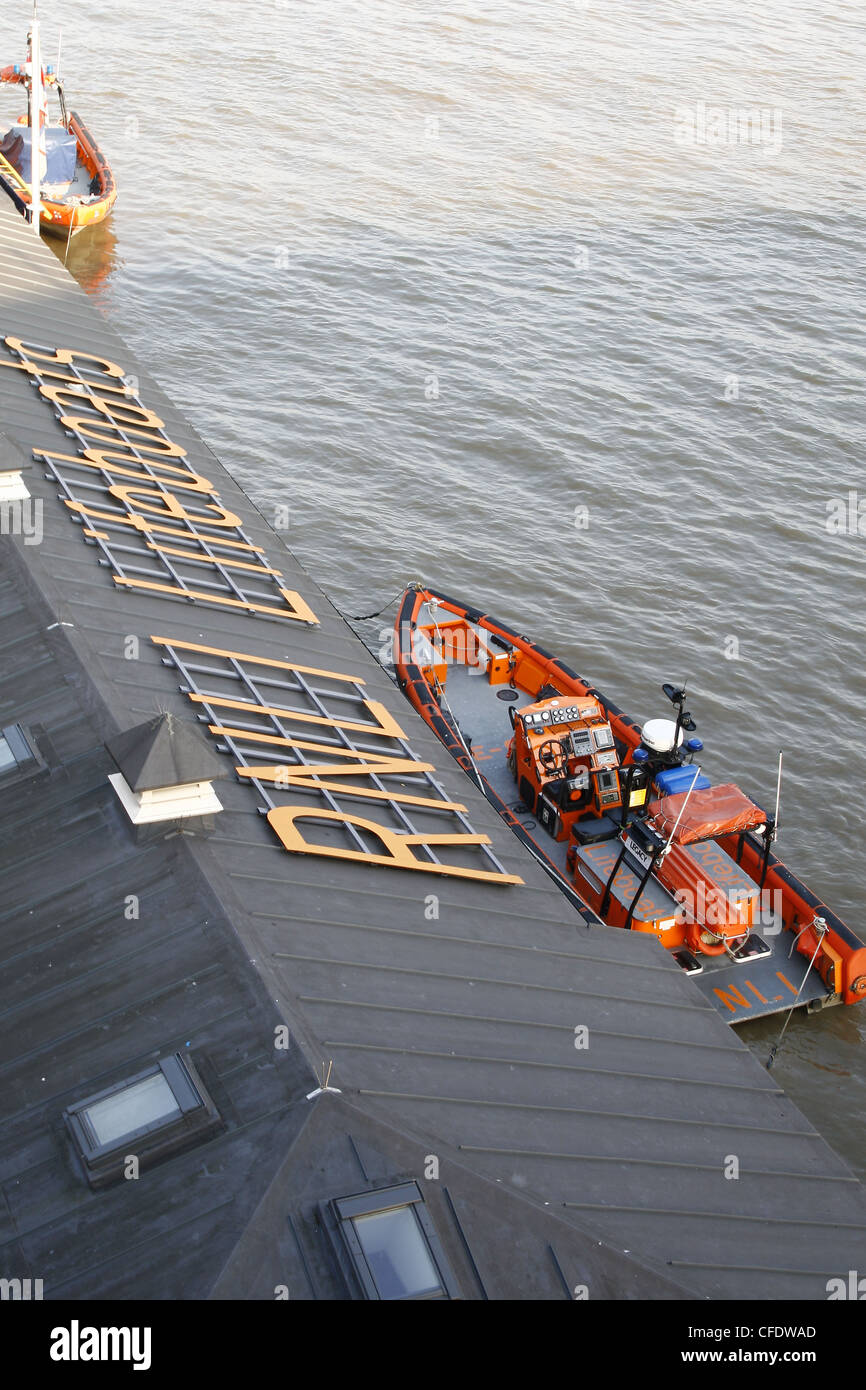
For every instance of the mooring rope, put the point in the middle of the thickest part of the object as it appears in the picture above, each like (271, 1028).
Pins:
(365, 617)
(821, 927)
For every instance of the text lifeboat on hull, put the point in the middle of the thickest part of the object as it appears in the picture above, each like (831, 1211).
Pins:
(621, 815)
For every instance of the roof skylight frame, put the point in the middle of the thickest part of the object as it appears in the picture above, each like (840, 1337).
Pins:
(401, 1197)
(194, 1117)
(24, 750)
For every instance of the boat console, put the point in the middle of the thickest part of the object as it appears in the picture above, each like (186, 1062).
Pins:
(566, 763)
(656, 866)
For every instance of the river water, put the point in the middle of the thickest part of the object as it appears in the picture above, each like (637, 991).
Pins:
(559, 306)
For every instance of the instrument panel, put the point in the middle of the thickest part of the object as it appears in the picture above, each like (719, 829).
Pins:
(551, 717)
(588, 755)
(581, 744)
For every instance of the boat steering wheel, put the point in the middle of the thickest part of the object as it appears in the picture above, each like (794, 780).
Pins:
(552, 756)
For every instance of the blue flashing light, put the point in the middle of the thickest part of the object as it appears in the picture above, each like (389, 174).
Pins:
(640, 755)
(695, 745)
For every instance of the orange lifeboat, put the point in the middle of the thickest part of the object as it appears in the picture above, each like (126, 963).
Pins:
(622, 817)
(77, 186)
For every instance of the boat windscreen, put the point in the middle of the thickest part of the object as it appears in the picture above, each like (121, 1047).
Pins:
(61, 150)
(710, 813)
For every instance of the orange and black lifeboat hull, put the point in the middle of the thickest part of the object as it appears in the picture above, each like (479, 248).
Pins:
(838, 955)
(63, 217)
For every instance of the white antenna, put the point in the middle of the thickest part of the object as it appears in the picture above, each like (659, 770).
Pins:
(326, 1087)
(59, 44)
(778, 796)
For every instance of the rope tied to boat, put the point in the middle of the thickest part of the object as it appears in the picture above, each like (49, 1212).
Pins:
(365, 617)
(821, 929)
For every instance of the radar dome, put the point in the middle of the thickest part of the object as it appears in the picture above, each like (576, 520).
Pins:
(659, 735)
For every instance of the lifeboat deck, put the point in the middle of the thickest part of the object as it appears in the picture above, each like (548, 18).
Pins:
(741, 990)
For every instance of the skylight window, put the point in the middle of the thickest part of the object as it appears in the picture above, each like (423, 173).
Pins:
(393, 1245)
(397, 1254)
(150, 1115)
(7, 757)
(19, 755)
(137, 1107)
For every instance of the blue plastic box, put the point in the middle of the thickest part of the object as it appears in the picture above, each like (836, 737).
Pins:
(679, 779)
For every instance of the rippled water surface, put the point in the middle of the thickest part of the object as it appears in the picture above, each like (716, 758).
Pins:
(470, 289)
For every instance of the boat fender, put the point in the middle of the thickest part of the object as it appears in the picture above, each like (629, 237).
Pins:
(536, 650)
(474, 615)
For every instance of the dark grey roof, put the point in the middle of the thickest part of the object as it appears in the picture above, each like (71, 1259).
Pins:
(12, 460)
(90, 995)
(165, 752)
(501, 1242)
(451, 1033)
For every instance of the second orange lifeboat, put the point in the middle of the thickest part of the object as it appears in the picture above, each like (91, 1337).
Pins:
(77, 186)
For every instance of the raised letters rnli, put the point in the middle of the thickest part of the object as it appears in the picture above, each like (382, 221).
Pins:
(335, 771)
(159, 525)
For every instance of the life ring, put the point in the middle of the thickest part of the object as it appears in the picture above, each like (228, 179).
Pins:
(694, 934)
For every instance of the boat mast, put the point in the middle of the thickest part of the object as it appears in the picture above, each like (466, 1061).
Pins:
(36, 104)
(771, 829)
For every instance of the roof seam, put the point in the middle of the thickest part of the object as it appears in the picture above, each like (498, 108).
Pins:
(655, 1163)
(552, 1066)
(486, 980)
(538, 951)
(599, 1114)
(733, 1051)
